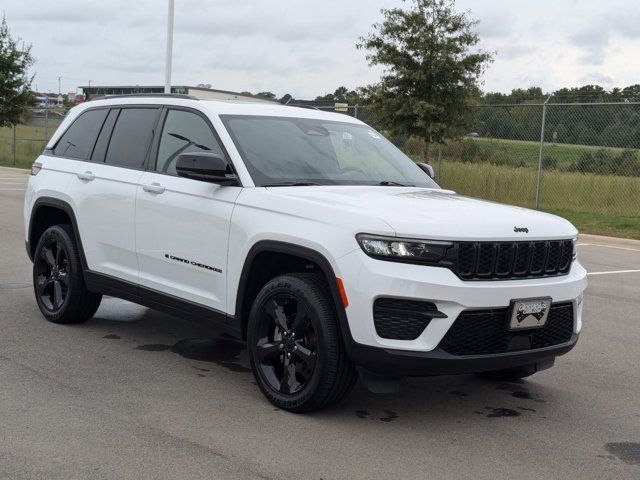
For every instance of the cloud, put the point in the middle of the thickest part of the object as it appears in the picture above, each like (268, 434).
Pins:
(307, 48)
(597, 78)
(495, 24)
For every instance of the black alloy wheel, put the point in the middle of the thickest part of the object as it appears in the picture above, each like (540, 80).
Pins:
(52, 275)
(286, 348)
(58, 280)
(296, 351)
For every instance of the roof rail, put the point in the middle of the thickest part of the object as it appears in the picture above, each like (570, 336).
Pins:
(310, 107)
(133, 95)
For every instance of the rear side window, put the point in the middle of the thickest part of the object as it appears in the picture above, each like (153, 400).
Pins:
(131, 137)
(100, 149)
(78, 140)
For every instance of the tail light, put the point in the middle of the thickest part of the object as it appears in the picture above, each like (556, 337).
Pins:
(35, 168)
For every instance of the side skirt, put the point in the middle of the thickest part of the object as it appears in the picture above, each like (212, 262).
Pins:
(209, 317)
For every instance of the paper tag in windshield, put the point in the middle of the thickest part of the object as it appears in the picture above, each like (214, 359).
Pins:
(347, 136)
(373, 134)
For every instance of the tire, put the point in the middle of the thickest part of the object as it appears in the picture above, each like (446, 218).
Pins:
(58, 282)
(300, 373)
(509, 374)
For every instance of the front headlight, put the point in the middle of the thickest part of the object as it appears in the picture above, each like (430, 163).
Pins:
(403, 249)
(575, 248)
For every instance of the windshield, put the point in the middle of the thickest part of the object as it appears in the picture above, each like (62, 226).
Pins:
(287, 150)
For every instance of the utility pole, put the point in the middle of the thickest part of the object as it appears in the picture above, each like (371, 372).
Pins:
(541, 151)
(167, 67)
(59, 86)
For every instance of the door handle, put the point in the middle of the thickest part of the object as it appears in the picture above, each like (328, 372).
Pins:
(86, 176)
(153, 188)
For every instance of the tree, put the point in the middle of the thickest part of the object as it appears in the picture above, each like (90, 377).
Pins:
(431, 73)
(269, 95)
(15, 85)
(341, 95)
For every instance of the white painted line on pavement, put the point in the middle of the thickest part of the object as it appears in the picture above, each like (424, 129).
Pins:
(12, 189)
(608, 246)
(612, 272)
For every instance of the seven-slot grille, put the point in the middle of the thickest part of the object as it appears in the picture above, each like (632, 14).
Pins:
(495, 260)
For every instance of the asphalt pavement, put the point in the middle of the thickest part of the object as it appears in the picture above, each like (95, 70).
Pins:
(137, 394)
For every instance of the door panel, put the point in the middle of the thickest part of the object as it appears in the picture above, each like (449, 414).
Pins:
(106, 192)
(182, 230)
(182, 225)
(106, 213)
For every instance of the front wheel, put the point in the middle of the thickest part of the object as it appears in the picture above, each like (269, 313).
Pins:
(297, 356)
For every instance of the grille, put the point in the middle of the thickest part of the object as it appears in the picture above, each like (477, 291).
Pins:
(509, 260)
(484, 332)
(402, 319)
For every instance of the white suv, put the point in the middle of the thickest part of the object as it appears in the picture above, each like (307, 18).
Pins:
(306, 233)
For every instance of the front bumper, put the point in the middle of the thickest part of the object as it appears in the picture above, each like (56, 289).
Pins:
(439, 362)
(365, 279)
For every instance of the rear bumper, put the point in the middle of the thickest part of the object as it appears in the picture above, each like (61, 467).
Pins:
(439, 362)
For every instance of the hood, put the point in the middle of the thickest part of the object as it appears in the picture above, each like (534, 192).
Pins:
(433, 213)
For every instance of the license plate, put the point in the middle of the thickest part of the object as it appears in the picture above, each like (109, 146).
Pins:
(529, 313)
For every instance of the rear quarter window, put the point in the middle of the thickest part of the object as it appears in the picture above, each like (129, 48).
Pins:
(80, 137)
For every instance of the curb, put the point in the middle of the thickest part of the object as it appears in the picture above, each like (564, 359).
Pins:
(613, 241)
(26, 171)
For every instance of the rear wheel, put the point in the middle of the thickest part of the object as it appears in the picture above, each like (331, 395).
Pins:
(58, 281)
(296, 352)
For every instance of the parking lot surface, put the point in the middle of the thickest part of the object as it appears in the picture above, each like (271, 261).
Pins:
(138, 394)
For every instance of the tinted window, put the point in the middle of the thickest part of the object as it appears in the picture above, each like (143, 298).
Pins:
(294, 150)
(184, 132)
(78, 140)
(105, 134)
(131, 137)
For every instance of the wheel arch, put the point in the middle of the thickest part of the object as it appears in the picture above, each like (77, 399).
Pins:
(248, 287)
(49, 211)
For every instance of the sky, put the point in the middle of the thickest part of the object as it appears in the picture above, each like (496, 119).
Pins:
(307, 48)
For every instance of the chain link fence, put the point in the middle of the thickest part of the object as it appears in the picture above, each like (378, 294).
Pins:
(569, 158)
(566, 158)
(21, 144)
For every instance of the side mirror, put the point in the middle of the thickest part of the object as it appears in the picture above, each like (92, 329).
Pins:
(428, 169)
(206, 167)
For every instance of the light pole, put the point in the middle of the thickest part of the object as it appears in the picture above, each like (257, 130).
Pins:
(167, 67)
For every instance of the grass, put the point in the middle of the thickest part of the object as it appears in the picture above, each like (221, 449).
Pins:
(605, 205)
(600, 224)
(529, 151)
(30, 141)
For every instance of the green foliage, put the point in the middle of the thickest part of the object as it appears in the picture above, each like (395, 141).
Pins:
(606, 162)
(549, 162)
(431, 71)
(15, 85)
(341, 95)
(269, 95)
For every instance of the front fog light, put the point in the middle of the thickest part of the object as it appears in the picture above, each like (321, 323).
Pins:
(391, 248)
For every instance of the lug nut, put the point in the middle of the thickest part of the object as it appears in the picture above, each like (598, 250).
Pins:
(281, 346)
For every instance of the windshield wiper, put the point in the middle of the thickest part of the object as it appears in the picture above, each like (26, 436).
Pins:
(290, 184)
(385, 183)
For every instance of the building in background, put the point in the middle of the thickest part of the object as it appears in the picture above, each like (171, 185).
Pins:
(200, 92)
